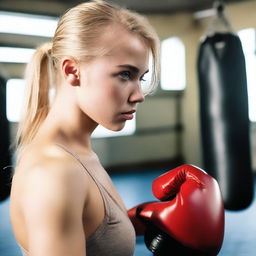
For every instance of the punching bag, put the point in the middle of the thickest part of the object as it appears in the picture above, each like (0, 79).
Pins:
(5, 156)
(225, 130)
(224, 117)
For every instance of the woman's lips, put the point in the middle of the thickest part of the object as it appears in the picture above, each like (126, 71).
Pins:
(128, 115)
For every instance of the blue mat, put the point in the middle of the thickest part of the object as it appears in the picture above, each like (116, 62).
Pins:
(135, 188)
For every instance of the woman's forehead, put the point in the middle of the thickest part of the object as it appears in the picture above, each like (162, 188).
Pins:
(129, 55)
(121, 47)
(117, 39)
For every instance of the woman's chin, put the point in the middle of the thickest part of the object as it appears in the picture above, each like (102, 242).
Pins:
(116, 127)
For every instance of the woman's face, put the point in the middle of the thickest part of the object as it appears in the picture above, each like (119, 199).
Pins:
(110, 85)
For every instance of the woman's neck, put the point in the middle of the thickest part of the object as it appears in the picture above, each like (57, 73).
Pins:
(67, 124)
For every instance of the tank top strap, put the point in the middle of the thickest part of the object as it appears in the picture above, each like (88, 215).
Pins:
(101, 188)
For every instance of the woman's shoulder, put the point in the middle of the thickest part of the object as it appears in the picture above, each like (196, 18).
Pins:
(49, 163)
(48, 188)
(45, 157)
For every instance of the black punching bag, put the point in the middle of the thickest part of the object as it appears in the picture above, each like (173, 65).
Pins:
(224, 117)
(5, 156)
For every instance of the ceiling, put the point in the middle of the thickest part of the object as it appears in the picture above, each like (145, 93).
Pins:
(57, 7)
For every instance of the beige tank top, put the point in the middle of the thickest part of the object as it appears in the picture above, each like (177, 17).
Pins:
(115, 236)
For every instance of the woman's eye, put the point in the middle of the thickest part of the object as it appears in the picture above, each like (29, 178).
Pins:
(126, 75)
(142, 79)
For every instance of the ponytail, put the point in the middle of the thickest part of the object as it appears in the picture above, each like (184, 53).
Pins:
(36, 105)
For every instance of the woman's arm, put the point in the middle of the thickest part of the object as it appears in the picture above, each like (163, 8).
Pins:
(53, 204)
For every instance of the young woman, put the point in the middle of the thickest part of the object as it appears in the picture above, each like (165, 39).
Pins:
(63, 202)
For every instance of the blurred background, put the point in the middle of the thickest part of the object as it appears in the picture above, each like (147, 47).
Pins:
(167, 129)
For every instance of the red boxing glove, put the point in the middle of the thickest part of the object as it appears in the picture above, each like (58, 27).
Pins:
(139, 223)
(194, 212)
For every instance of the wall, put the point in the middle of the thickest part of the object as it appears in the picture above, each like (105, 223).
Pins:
(155, 138)
(183, 26)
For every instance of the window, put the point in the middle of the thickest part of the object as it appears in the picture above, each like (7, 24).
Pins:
(14, 97)
(247, 37)
(173, 72)
(15, 91)
(15, 55)
(27, 24)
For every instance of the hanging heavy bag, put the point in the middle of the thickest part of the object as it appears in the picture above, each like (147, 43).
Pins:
(224, 117)
(5, 156)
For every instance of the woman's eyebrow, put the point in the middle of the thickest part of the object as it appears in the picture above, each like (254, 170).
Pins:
(132, 68)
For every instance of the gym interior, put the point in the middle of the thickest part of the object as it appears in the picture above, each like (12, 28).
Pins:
(202, 114)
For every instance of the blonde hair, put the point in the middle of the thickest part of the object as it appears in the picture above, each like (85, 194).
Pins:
(76, 37)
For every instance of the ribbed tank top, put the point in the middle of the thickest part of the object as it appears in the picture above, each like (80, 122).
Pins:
(115, 236)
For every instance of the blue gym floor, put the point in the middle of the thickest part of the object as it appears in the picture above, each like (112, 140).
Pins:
(135, 187)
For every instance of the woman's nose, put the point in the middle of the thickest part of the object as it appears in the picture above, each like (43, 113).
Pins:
(137, 95)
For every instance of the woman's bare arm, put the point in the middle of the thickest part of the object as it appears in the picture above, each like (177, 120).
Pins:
(53, 204)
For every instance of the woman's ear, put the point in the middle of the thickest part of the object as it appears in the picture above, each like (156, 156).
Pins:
(70, 70)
